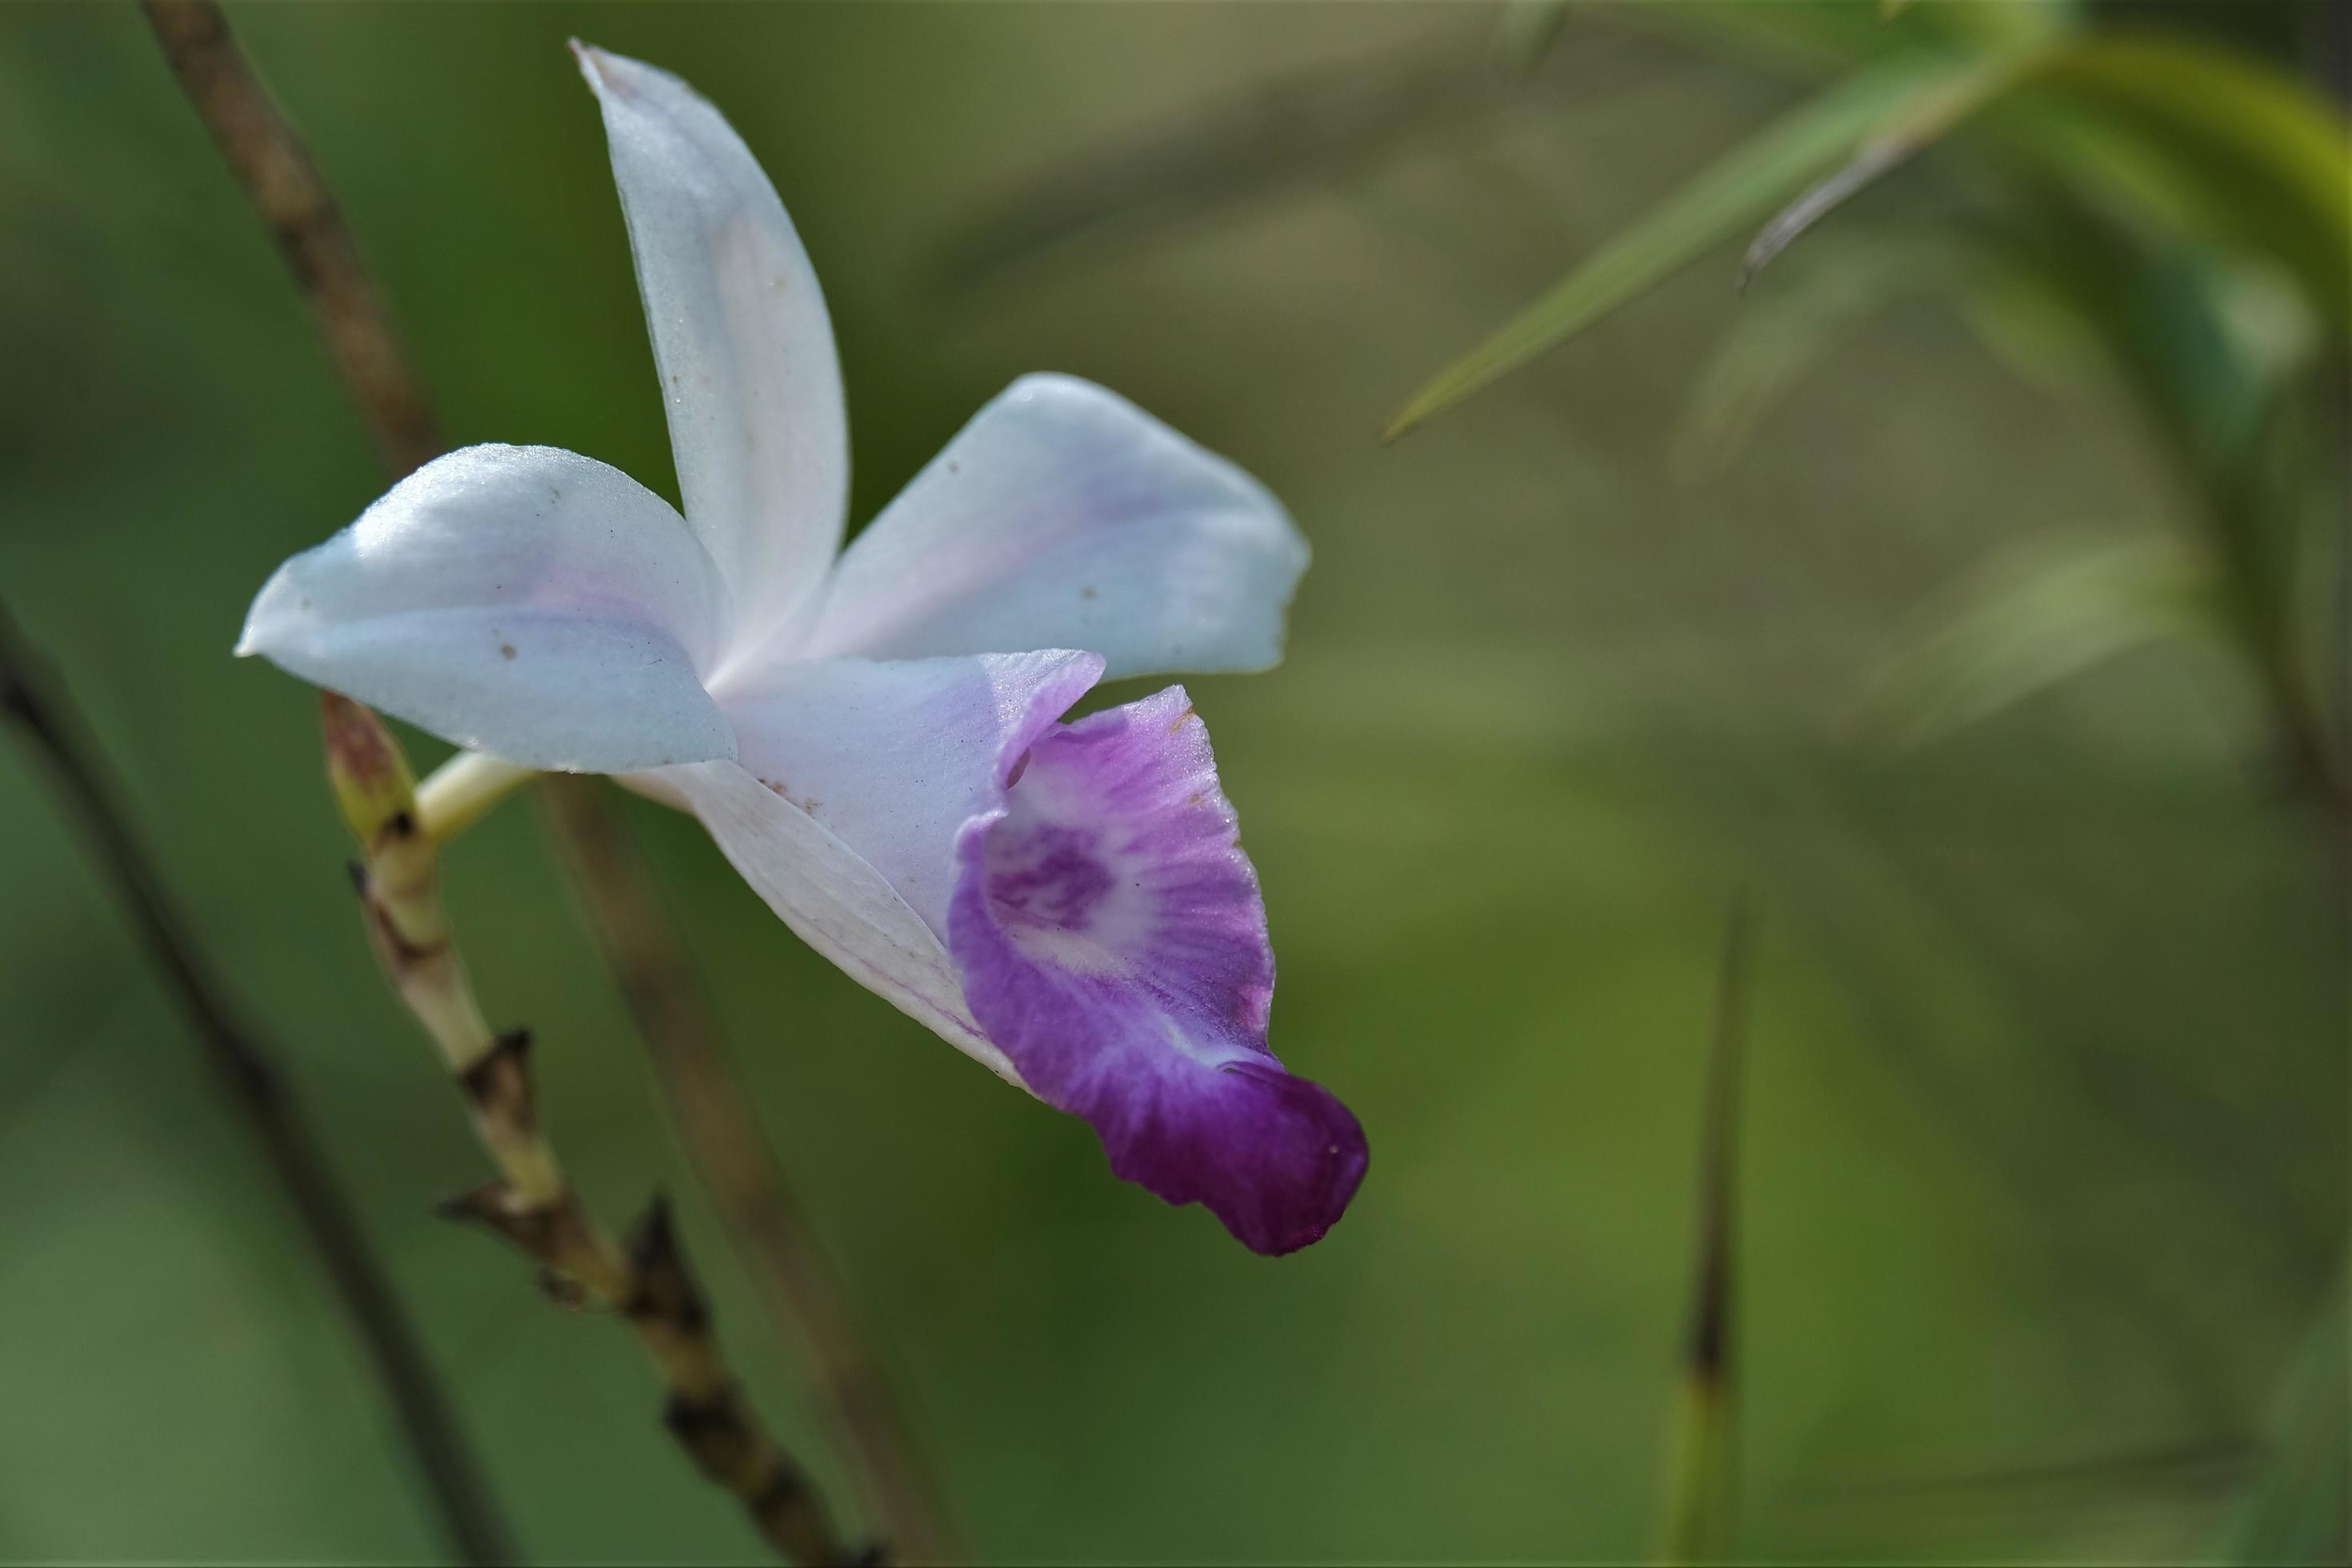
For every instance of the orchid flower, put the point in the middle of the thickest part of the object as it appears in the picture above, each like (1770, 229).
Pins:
(875, 736)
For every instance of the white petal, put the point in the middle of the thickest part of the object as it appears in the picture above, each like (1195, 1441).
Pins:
(520, 600)
(895, 757)
(740, 335)
(1064, 516)
(842, 815)
(832, 898)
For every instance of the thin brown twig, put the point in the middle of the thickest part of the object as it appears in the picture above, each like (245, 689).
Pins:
(285, 188)
(257, 1090)
(801, 1290)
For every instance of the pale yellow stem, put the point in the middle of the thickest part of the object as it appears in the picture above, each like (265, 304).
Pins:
(462, 789)
(398, 826)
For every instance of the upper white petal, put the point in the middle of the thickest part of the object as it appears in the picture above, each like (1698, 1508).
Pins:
(1063, 516)
(832, 898)
(521, 600)
(740, 338)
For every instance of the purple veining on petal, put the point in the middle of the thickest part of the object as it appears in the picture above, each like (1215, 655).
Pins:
(1112, 942)
(1052, 878)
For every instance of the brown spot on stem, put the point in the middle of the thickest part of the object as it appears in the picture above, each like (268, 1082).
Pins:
(358, 747)
(400, 956)
(697, 1422)
(565, 1290)
(664, 1290)
(499, 1084)
(496, 1206)
(787, 1490)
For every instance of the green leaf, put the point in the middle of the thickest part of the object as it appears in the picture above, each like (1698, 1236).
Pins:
(2030, 322)
(1525, 33)
(1773, 341)
(2259, 157)
(2209, 139)
(2033, 619)
(1698, 1519)
(1921, 126)
(1735, 194)
(2299, 1506)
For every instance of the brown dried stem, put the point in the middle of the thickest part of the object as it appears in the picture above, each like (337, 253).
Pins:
(531, 1204)
(271, 162)
(256, 1088)
(802, 1291)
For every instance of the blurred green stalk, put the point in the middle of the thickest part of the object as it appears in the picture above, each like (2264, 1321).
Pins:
(1699, 1514)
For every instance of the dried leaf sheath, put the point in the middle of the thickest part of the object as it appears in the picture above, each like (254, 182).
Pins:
(530, 1202)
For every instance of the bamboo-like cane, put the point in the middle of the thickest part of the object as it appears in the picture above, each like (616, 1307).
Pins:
(530, 1202)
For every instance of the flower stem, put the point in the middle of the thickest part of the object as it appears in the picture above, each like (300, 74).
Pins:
(530, 1202)
(459, 792)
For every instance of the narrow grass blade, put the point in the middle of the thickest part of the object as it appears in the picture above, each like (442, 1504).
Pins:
(2028, 621)
(1699, 1514)
(1737, 191)
(1798, 326)
(2217, 142)
(1921, 126)
(2299, 1506)
(2259, 156)
(1525, 33)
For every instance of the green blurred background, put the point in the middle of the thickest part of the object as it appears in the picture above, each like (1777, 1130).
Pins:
(2044, 1183)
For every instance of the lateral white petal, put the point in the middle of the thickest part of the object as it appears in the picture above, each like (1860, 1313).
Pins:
(520, 600)
(740, 338)
(1063, 516)
(834, 900)
(894, 758)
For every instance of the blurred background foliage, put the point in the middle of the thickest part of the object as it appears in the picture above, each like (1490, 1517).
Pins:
(1972, 589)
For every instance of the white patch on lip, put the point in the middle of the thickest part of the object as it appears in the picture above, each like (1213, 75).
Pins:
(1075, 952)
(1112, 921)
